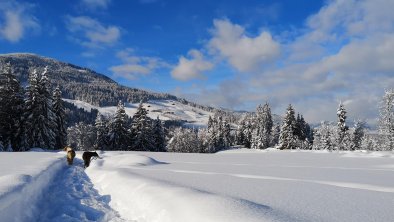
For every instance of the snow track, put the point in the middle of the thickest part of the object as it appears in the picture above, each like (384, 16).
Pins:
(71, 197)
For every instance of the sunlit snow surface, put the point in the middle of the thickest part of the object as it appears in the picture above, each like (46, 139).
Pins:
(164, 109)
(234, 185)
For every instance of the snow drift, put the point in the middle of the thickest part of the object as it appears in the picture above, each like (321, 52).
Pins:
(142, 199)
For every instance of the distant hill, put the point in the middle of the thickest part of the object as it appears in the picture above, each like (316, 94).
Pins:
(79, 83)
(82, 84)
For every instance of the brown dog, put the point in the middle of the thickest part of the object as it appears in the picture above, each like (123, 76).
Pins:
(70, 154)
(86, 156)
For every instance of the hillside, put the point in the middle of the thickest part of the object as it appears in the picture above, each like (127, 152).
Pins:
(79, 83)
(164, 109)
(84, 87)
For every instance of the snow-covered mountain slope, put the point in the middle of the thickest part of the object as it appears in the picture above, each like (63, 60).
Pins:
(236, 185)
(164, 109)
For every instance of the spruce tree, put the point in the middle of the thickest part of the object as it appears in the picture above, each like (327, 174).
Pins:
(142, 130)
(227, 133)
(240, 132)
(159, 142)
(263, 127)
(60, 119)
(386, 120)
(101, 132)
(118, 134)
(287, 139)
(11, 108)
(343, 139)
(358, 134)
(39, 117)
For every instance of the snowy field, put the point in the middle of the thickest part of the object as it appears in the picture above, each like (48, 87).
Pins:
(234, 185)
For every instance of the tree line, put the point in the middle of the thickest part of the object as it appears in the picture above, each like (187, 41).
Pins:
(35, 116)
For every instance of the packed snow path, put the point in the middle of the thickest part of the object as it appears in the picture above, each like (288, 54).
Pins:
(71, 197)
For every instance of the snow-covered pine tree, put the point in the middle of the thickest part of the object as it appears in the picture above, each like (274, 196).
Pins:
(287, 139)
(386, 120)
(240, 136)
(220, 132)
(11, 108)
(343, 140)
(248, 131)
(212, 133)
(298, 127)
(227, 134)
(358, 134)
(118, 134)
(101, 133)
(263, 127)
(275, 135)
(185, 141)
(39, 117)
(203, 137)
(142, 130)
(317, 142)
(370, 143)
(159, 141)
(60, 119)
(82, 136)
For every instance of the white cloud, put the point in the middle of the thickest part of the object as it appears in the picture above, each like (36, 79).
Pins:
(343, 53)
(15, 20)
(192, 68)
(91, 33)
(243, 52)
(96, 4)
(135, 66)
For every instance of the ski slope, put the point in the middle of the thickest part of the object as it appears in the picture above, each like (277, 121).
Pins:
(164, 109)
(233, 185)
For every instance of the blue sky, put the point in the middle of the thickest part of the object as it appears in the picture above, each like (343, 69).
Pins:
(233, 54)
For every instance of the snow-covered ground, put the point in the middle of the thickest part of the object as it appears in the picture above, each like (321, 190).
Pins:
(234, 185)
(164, 109)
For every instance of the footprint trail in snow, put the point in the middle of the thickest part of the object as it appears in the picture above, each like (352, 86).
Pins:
(72, 197)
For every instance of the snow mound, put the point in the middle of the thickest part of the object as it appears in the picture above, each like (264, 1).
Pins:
(124, 159)
(140, 198)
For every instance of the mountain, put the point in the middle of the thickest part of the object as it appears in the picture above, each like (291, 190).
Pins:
(83, 88)
(79, 83)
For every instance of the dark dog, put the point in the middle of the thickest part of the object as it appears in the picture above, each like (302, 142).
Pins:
(86, 156)
(70, 154)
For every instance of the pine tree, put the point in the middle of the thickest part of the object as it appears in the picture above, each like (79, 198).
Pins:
(263, 127)
(248, 131)
(58, 109)
(386, 120)
(141, 130)
(40, 119)
(159, 142)
(287, 138)
(118, 134)
(82, 136)
(275, 135)
(227, 134)
(220, 132)
(101, 132)
(343, 140)
(240, 132)
(11, 108)
(358, 134)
